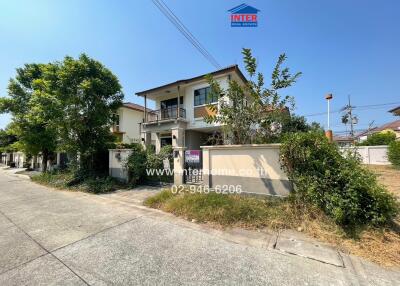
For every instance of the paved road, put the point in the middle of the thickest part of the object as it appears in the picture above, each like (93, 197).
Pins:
(50, 237)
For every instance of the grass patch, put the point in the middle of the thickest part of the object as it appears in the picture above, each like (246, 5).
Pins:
(381, 246)
(63, 179)
(388, 176)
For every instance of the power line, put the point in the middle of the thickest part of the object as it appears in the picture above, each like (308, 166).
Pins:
(360, 108)
(185, 31)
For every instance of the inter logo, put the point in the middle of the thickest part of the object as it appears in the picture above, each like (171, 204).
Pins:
(244, 16)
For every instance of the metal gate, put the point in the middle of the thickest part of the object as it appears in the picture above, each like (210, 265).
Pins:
(193, 167)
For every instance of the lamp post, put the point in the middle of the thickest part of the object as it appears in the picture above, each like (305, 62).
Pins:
(328, 132)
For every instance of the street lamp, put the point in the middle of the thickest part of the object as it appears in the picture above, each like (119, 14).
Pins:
(328, 133)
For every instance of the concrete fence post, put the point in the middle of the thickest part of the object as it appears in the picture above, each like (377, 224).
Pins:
(58, 160)
(179, 165)
(206, 167)
(146, 139)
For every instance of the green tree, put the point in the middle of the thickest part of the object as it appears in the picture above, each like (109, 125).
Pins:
(394, 153)
(235, 113)
(380, 138)
(253, 110)
(90, 94)
(33, 109)
(338, 184)
(7, 139)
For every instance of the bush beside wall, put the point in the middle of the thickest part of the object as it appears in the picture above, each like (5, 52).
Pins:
(394, 153)
(140, 160)
(381, 138)
(339, 185)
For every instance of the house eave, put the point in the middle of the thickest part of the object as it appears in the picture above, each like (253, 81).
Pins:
(233, 68)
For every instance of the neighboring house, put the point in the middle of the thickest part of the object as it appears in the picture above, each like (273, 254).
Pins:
(360, 137)
(344, 141)
(393, 126)
(395, 111)
(180, 123)
(128, 119)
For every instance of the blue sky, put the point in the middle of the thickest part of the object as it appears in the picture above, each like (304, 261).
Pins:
(343, 47)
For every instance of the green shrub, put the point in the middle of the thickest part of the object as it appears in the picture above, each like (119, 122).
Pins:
(156, 162)
(140, 161)
(394, 153)
(381, 138)
(136, 164)
(57, 179)
(100, 185)
(337, 184)
(66, 179)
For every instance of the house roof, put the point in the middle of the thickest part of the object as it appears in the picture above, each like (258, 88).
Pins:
(134, 106)
(232, 68)
(366, 132)
(395, 110)
(338, 138)
(394, 125)
(243, 9)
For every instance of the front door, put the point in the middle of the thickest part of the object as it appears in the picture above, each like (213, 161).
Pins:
(165, 141)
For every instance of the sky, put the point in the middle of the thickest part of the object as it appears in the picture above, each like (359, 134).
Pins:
(342, 47)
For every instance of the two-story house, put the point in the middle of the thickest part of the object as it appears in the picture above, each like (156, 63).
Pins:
(127, 121)
(180, 106)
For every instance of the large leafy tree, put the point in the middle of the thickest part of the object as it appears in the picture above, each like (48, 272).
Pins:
(236, 112)
(7, 140)
(34, 109)
(90, 94)
(252, 110)
(64, 105)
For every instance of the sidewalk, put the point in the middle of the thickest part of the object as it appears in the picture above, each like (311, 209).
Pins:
(286, 242)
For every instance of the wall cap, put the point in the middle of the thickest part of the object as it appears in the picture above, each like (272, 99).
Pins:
(244, 146)
(179, 148)
(361, 147)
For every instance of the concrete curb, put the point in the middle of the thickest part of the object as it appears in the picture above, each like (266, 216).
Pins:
(268, 240)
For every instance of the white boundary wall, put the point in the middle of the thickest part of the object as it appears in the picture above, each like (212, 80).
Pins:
(371, 155)
(255, 168)
(117, 157)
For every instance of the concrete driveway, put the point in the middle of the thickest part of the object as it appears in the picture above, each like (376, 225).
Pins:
(50, 237)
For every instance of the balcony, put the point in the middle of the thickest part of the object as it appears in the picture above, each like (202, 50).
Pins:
(165, 114)
(115, 129)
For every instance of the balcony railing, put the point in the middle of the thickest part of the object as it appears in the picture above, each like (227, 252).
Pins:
(165, 114)
(115, 128)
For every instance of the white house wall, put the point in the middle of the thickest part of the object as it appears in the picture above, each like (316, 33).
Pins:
(188, 101)
(129, 120)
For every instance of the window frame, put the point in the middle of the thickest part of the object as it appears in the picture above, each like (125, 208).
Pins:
(201, 98)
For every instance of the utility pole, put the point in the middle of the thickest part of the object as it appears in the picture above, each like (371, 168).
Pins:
(350, 108)
(370, 126)
(348, 117)
(328, 132)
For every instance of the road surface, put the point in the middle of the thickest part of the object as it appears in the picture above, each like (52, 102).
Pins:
(50, 237)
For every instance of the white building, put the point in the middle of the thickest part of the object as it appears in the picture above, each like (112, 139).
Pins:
(180, 123)
(128, 119)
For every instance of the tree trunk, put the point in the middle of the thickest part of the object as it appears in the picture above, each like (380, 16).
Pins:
(45, 156)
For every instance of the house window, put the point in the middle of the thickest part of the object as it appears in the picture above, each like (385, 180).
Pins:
(115, 119)
(170, 103)
(203, 96)
(169, 108)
